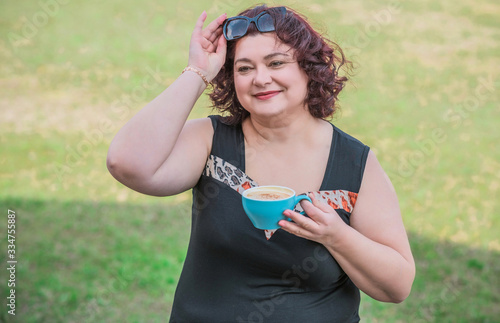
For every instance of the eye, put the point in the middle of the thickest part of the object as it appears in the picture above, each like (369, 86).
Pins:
(276, 63)
(244, 69)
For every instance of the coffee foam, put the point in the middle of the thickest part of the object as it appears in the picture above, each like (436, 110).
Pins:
(269, 193)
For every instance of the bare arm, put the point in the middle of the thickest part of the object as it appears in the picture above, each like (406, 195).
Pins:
(157, 152)
(374, 251)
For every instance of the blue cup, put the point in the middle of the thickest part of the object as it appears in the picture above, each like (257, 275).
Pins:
(264, 205)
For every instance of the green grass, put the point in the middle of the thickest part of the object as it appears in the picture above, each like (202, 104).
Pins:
(424, 96)
(88, 261)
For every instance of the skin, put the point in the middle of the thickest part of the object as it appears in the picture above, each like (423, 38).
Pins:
(264, 66)
(279, 125)
(374, 250)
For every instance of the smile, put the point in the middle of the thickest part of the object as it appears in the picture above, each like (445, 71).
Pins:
(266, 95)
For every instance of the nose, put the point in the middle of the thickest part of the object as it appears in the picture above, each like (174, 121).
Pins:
(262, 76)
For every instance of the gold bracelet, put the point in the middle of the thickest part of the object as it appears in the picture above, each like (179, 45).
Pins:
(192, 69)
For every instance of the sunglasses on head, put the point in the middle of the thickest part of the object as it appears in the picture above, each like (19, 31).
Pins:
(237, 27)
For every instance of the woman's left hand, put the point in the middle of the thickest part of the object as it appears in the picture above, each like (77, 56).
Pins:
(322, 225)
(373, 250)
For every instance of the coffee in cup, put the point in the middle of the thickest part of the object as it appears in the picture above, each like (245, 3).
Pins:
(269, 194)
(264, 205)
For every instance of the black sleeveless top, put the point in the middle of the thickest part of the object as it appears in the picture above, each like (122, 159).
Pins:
(234, 272)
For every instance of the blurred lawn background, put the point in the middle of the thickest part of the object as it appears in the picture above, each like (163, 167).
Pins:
(424, 97)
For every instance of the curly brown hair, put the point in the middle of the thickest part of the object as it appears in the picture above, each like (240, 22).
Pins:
(319, 57)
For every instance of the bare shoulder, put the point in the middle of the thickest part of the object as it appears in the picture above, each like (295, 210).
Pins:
(375, 181)
(201, 128)
(376, 195)
(376, 213)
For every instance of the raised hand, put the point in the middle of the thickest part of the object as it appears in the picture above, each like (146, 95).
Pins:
(207, 49)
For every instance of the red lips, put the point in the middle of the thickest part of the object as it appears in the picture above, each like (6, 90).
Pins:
(266, 95)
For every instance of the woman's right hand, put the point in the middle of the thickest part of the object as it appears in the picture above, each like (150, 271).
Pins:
(207, 49)
(158, 152)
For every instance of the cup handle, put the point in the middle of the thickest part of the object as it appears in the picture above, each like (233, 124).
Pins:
(299, 198)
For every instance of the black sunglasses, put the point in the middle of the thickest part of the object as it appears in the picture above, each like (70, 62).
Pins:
(237, 27)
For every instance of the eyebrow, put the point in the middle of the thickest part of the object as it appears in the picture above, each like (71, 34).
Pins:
(267, 57)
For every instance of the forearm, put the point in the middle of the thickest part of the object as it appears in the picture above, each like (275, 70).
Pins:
(147, 140)
(378, 270)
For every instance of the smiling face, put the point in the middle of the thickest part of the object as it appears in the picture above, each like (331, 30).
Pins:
(267, 78)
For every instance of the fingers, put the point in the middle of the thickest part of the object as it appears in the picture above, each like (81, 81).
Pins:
(300, 222)
(213, 27)
(207, 45)
(213, 36)
(209, 36)
(314, 210)
(317, 226)
(213, 30)
(222, 46)
(322, 206)
(219, 46)
(207, 48)
(199, 23)
(303, 226)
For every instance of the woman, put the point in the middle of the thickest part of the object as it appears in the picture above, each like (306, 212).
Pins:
(276, 79)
